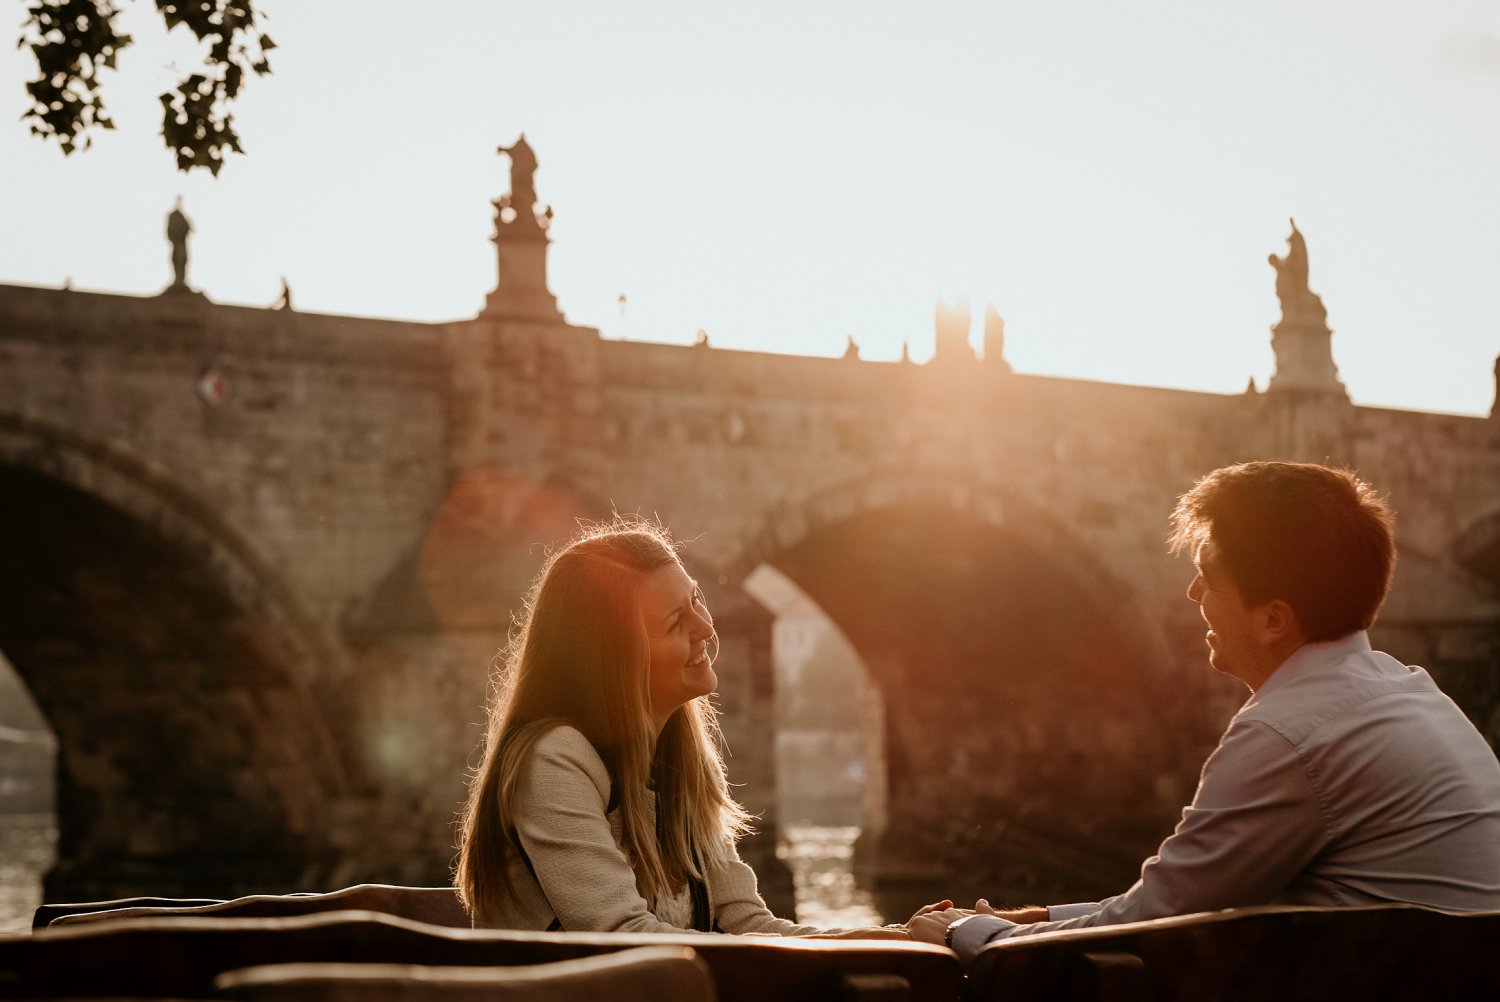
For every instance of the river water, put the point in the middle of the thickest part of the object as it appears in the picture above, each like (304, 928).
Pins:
(818, 855)
(28, 844)
(820, 858)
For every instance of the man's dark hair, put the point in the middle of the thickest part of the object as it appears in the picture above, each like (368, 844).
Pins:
(1320, 539)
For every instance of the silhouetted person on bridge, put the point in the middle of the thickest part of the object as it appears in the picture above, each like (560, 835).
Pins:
(602, 803)
(1347, 778)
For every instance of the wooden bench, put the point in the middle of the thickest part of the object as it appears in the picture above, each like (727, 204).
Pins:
(180, 956)
(433, 905)
(1271, 953)
(641, 974)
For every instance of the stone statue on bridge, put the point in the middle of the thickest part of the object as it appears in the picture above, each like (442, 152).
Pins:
(1297, 299)
(522, 176)
(521, 244)
(1495, 407)
(994, 338)
(951, 331)
(178, 229)
(1301, 338)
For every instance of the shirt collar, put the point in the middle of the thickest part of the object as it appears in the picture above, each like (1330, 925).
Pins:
(1310, 657)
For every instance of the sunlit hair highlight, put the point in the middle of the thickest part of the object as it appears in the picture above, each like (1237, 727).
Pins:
(580, 656)
(1319, 538)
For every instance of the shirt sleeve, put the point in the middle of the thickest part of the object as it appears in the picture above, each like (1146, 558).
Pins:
(1253, 826)
(561, 824)
(738, 906)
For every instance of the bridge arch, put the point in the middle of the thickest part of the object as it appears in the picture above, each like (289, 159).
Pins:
(186, 689)
(1024, 685)
(1477, 549)
(1444, 614)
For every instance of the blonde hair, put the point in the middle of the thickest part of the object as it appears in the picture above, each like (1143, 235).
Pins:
(580, 657)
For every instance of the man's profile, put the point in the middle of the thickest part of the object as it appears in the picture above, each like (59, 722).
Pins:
(1347, 778)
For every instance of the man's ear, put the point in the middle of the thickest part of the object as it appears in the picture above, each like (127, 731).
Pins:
(1278, 623)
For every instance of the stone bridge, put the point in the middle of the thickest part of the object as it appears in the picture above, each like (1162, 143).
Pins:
(257, 563)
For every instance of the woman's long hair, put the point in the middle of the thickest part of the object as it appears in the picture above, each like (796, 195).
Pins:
(581, 657)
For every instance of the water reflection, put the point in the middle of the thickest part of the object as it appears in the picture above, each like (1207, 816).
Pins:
(28, 846)
(820, 858)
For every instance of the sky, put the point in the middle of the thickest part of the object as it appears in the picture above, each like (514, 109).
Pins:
(786, 175)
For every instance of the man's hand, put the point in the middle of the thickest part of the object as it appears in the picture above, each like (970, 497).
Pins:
(930, 924)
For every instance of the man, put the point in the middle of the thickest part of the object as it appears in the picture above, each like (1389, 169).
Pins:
(1347, 778)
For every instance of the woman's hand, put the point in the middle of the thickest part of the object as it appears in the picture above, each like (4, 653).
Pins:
(874, 932)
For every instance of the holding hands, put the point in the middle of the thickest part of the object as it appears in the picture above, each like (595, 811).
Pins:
(930, 923)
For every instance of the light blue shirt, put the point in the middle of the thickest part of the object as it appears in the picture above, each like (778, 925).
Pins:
(1347, 779)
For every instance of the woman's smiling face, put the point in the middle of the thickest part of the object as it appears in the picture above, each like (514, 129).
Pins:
(679, 628)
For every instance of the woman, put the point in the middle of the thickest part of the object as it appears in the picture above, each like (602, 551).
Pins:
(601, 803)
